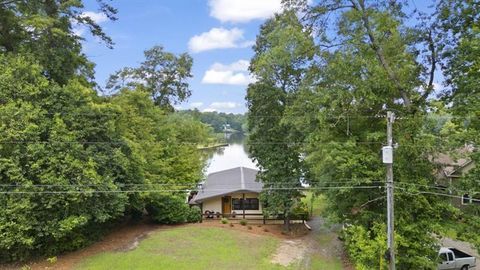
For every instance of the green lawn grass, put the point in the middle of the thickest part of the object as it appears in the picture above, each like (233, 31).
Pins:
(324, 238)
(317, 205)
(192, 248)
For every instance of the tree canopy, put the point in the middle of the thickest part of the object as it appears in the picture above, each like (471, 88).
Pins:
(74, 163)
(218, 120)
(163, 74)
(282, 53)
(327, 74)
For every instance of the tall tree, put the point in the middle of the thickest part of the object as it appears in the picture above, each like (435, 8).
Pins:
(45, 29)
(369, 63)
(282, 53)
(61, 162)
(163, 74)
(460, 51)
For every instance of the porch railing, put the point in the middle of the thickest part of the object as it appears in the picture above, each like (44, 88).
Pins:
(252, 216)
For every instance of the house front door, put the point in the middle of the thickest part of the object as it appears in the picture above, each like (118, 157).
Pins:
(226, 205)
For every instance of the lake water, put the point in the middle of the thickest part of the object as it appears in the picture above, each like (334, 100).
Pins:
(232, 156)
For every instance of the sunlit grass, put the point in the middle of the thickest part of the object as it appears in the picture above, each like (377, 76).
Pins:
(317, 205)
(192, 248)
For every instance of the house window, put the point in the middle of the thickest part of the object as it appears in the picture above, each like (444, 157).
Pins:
(247, 204)
(251, 204)
(237, 204)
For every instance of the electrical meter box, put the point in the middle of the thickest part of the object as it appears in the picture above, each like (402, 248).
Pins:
(387, 152)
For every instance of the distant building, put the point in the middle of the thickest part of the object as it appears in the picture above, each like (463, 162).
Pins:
(451, 170)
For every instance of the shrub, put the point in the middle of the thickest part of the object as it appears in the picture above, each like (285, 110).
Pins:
(52, 260)
(224, 221)
(363, 245)
(194, 214)
(167, 209)
(249, 227)
(265, 230)
(243, 222)
(231, 225)
(300, 212)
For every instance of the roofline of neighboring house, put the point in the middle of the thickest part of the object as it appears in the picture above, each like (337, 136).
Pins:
(466, 163)
(222, 194)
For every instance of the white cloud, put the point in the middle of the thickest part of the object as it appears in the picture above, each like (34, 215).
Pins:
(234, 74)
(209, 110)
(221, 106)
(240, 11)
(196, 104)
(97, 17)
(218, 38)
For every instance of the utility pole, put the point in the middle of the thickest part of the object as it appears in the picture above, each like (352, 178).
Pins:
(388, 160)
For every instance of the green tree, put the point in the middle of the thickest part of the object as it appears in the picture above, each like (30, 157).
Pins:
(369, 63)
(164, 145)
(460, 50)
(282, 53)
(58, 150)
(218, 120)
(44, 29)
(163, 74)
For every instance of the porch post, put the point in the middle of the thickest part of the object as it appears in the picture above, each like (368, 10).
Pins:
(243, 205)
(201, 212)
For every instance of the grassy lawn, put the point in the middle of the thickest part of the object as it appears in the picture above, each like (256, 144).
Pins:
(317, 205)
(325, 237)
(192, 248)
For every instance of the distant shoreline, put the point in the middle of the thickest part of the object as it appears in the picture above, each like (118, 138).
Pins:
(213, 146)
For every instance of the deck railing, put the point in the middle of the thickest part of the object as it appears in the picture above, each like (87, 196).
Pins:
(251, 216)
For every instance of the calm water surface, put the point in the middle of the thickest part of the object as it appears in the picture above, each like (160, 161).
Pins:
(231, 156)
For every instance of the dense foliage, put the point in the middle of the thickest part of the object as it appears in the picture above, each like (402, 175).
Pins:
(163, 74)
(44, 29)
(323, 107)
(282, 53)
(73, 163)
(219, 120)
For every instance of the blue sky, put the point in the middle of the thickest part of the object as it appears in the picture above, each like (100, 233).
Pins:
(217, 41)
(218, 34)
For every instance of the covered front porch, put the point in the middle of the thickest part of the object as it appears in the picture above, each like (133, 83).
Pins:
(240, 205)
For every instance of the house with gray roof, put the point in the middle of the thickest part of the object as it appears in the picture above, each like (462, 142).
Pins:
(451, 168)
(231, 193)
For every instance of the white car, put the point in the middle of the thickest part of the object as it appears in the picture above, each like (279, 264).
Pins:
(454, 259)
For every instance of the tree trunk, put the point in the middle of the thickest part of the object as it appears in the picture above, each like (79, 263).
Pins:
(286, 222)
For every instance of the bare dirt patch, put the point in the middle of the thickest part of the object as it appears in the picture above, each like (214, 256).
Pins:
(321, 241)
(290, 251)
(256, 227)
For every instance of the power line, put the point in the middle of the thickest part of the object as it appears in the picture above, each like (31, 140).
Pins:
(180, 190)
(200, 145)
(319, 115)
(166, 184)
(441, 188)
(432, 193)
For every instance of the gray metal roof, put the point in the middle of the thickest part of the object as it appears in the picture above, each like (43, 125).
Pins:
(238, 179)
